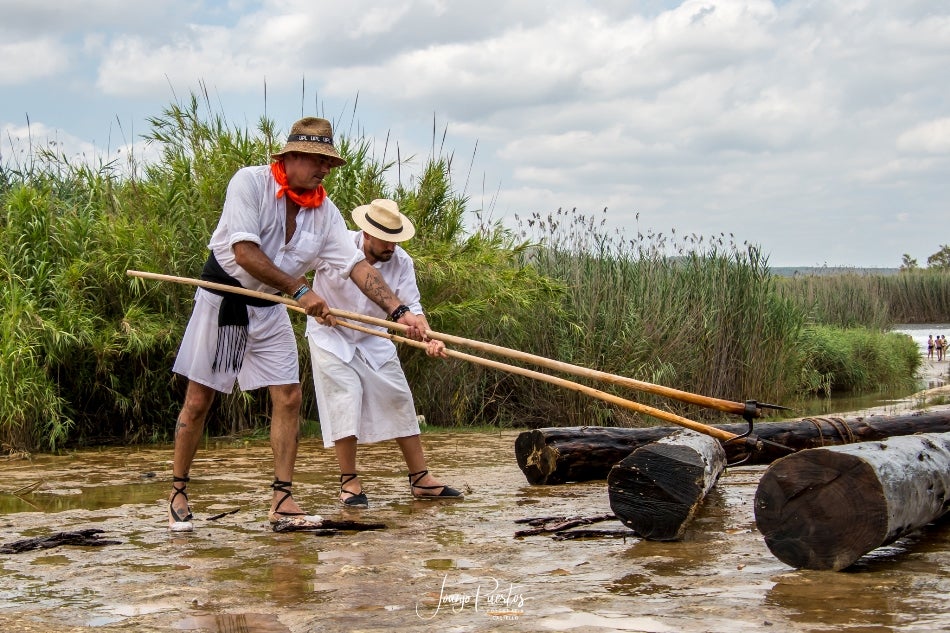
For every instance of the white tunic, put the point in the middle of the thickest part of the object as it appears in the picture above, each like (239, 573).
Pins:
(359, 382)
(399, 273)
(253, 213)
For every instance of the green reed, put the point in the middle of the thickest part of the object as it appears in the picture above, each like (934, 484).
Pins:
(691, 312)
(87, 351)
(853, 299)
(857, 360)
(687, 312)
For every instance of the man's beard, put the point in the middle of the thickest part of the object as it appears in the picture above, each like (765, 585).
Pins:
(382, 256)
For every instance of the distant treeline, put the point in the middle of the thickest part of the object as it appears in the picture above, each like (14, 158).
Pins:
(86, 351)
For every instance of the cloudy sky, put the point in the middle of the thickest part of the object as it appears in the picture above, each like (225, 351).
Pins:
(817, 129)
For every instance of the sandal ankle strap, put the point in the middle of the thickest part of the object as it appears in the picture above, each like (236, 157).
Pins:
(418, 477)
(281, 486)
(284, 487)
(179, 491)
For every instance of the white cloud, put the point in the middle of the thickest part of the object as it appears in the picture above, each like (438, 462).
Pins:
(791, 123)
(135, 67)
(46, 56)
(932, 137)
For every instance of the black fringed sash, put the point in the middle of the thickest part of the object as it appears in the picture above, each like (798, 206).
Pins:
(232, 317)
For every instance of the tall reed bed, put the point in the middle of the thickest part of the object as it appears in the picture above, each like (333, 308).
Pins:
(692, 313)
(87, 350)
(872, 301)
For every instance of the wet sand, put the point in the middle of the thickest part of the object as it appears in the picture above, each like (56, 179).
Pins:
(436, 566)
(935, 376)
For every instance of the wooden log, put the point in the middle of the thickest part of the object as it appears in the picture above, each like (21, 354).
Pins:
(560, 455)
(824, 508)
(656, 490)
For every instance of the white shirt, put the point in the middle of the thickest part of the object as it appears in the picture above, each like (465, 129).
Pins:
(399, 273)
(253, 213)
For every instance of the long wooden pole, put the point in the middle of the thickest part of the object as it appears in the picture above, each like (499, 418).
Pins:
(343, 314)
(561, 382)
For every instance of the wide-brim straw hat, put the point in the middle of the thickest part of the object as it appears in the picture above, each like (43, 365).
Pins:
(311, 135)
(382, 219)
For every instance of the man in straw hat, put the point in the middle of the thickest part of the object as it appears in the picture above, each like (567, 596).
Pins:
(362, 393)
(277, 221)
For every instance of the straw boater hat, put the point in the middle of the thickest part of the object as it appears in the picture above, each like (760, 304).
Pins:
(311, 135)
(381, 219)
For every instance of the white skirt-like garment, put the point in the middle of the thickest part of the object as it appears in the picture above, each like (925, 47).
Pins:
(356, 400)
(270, 357)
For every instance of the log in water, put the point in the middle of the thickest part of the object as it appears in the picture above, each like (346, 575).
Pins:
(560, 455)
(656, 490)
(824, 508)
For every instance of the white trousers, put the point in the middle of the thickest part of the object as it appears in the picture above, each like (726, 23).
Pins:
(356, 400)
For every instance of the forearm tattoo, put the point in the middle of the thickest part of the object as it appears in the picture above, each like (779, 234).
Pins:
(376, 289)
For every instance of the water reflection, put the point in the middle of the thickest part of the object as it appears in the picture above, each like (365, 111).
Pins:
(829, 598)
(232, 623)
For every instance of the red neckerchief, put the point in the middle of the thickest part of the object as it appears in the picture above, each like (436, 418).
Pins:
(311, 198)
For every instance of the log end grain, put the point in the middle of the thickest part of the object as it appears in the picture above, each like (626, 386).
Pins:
(656, 489)
(535, 458)
(821, 510)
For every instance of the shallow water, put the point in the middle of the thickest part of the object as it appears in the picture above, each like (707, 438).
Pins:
(436, 567)
(921, 331)
(930, 376)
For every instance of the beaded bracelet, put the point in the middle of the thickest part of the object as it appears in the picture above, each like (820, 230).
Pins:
(398, 312)
(301, 291)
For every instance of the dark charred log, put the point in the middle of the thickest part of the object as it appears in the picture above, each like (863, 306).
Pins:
(561, 455)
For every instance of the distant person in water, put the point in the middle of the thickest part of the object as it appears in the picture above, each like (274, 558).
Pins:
(930, 347)
(939, 344)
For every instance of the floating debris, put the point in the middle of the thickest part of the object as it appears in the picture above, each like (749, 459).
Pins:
(560, 524)
(325, 527)
(77, 537)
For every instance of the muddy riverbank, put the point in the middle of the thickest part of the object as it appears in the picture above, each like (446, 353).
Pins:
(435, 567)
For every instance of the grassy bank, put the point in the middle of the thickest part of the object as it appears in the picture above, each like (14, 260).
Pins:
(86, 351)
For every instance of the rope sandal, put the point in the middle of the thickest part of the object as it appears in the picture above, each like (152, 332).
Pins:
(180, 522)
(356, 499)
(298, 519)
(447, 491)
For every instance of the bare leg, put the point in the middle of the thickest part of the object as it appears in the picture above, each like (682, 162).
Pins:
(345, 449)
(411, 447)
(284, 437)
(188, 430)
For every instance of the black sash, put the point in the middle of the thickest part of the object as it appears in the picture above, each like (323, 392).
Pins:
(232, 317)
